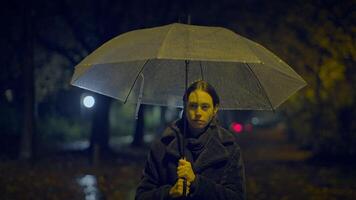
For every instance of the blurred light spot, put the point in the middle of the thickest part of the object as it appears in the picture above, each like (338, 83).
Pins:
(248, 127)
(88, 101)
(9, 96)
(89, 185)
(255, 120)
(236, 127)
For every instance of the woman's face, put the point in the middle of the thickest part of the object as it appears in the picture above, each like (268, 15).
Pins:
(200, 109)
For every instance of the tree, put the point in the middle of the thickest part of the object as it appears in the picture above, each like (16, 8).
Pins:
(27, 139)
(139, 128)
(320, 45)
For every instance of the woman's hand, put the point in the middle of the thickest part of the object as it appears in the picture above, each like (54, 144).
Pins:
(185, 170)
(177, 189)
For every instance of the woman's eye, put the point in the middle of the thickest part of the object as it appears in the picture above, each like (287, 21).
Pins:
(193, 106)
(205, 107)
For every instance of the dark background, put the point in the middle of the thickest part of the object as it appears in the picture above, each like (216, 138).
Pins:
(50, 143)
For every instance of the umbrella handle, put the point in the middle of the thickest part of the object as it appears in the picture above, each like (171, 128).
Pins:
(185, 125)
(184, 187)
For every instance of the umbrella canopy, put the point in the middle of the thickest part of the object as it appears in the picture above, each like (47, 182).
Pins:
(149, 66)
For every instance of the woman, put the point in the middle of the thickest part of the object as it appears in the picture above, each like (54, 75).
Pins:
(212, 167)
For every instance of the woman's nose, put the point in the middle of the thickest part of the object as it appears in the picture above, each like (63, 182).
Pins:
(198, 112)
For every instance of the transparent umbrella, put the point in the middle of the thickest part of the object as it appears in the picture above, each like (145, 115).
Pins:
(154, 65)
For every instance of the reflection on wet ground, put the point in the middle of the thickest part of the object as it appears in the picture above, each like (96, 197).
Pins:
(89, 185)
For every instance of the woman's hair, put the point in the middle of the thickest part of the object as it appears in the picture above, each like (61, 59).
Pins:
(206, 87)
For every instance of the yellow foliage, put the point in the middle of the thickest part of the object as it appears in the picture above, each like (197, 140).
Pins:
(310, 94)
(331, 72)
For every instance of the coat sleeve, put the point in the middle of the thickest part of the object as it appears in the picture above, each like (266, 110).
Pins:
(149, 186)
(232, 186)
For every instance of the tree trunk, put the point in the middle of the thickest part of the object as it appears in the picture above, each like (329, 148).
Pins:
(317, 116)
(163, 120)
(139, 130)
(99, 139)
(27, 138)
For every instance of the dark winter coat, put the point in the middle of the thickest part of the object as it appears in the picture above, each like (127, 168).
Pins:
(218, 167)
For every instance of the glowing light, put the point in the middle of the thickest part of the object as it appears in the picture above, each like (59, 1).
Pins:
(255, 120)
(88, 101)
(236, 127)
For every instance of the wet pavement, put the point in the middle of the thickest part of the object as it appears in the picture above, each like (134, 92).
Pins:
(275, 169)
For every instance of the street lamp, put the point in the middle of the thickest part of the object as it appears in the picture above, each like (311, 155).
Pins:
(88, 101)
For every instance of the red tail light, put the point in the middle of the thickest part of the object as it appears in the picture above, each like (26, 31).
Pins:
(237, 127)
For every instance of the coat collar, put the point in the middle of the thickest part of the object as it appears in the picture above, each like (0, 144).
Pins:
(215, 150)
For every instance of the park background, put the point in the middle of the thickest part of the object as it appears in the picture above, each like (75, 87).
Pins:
(53, 147)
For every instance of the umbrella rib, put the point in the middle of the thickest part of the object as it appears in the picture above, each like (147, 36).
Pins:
(163, 43)
(260, 86)
(138, 74)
